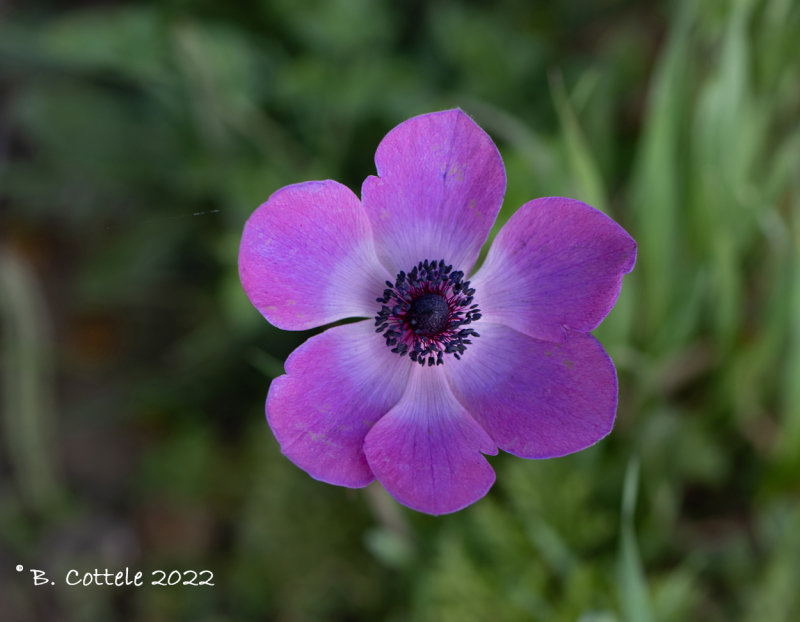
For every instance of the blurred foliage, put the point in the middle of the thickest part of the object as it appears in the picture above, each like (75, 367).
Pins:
(136, 138)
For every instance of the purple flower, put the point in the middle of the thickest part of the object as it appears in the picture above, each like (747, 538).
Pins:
(441, 367)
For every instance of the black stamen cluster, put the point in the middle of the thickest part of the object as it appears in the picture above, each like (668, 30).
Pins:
(411, 295)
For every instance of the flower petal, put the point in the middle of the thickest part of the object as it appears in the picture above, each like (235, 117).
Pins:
(556, 264)
(439, 188)
(537, 399)
(307, 257)
(337, 385)
(427, 450)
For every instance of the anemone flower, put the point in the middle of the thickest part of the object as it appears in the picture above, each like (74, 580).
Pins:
(440, 367)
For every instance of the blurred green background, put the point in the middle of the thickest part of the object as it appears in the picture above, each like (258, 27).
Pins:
(136, 138)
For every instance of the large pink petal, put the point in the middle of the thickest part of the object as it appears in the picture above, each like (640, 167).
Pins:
(307, 257)
(337, 385)
(556, 264)
(427, 450)
(439, 188)
(537, 399)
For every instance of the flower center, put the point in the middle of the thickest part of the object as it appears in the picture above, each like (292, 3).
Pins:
(429, 314)
(423, 313)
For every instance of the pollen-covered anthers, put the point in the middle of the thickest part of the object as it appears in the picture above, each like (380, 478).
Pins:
(425, 312)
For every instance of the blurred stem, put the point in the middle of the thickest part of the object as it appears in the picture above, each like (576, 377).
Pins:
(579, 156)
(27, 362)
(387, 511)
(632, 582)
(514, 131)
(390, 517)
(789, 444)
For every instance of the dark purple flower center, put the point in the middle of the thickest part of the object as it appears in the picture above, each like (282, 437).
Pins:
(429, 314)
(424, 313)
